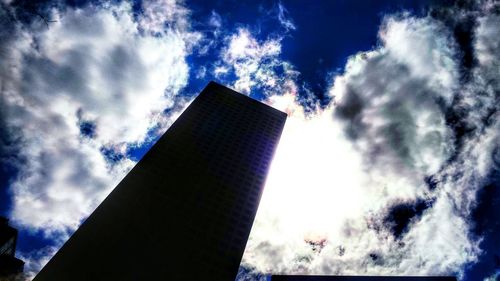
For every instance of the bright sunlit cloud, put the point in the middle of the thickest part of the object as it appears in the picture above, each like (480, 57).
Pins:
(313, 177)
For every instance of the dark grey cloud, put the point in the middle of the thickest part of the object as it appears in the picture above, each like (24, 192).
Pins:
(395, 115)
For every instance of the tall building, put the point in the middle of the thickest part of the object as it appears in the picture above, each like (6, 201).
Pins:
(359, 278)
(9, 264)
(185, 211)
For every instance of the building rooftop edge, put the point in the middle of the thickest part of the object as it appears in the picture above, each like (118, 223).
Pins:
(248, 97)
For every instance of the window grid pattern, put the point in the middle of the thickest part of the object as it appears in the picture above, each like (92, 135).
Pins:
(227, 140)
(186, 209)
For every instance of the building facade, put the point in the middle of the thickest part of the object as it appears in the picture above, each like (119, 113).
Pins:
(359, 278)
(185, 211)
(9, 264)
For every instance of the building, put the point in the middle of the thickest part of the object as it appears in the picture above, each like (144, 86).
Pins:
(9, 264)
(185, 211)
(359, 278)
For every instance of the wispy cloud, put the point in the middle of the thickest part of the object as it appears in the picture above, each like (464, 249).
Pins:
(256, 65)
(284, 19)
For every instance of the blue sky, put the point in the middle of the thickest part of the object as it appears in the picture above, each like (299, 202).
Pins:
(389, 162)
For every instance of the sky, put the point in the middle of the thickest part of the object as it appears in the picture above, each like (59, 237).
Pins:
(389, 163)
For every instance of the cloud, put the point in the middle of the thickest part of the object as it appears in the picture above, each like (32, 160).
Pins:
(493, 277)
(283, 18)
(36, 259)
(246, 54)
(312, 187)
(487, 46)
(391, 99)
(379, 182)
(96, 80)
(256, 64)
(215, 20)
(160, 16)
(168, 17)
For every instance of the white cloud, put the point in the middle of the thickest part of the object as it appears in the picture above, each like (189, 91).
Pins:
(161, 15)
(481, 99)
(220, 70)
(314, 175)
(96, 65)
(422, 46)
(168, 17)
(201, 72)
(255, 64)
(487, 44)
(338, 172)
(392, 106)
(215, 20)
(493, 277)
(36, 260)
(283, 18)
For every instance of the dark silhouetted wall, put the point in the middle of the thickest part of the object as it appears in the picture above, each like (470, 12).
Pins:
(359, 278)
(9, 264)
(185, 210)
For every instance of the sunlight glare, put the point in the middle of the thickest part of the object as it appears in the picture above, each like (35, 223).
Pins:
(313, 184)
